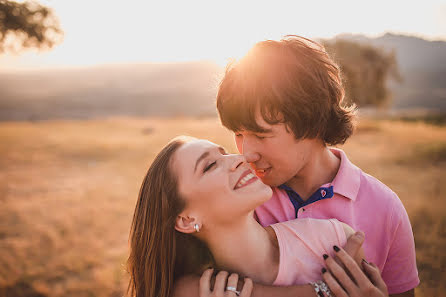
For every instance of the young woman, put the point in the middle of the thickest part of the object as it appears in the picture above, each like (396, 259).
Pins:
(196, 210)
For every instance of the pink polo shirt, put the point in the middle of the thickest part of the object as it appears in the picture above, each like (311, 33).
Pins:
(366, 204)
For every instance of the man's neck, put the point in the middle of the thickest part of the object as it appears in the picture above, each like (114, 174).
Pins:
(320, 169)
(247, 249)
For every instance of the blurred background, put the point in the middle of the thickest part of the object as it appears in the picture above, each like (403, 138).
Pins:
(91, 90)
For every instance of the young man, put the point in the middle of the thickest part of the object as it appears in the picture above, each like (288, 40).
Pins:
(283, 101)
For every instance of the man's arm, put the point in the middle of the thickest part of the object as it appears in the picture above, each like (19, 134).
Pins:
(188, 286)
(400, 270)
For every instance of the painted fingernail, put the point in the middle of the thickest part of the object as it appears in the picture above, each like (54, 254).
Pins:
(363, 260)
(324, 270)
(335, 247)
(325, 256)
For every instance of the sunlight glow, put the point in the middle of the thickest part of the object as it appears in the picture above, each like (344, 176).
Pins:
(111, 31)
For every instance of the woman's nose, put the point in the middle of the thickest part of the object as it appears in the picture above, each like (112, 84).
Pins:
(236, 161)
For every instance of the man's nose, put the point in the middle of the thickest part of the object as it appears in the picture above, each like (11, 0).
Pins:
(251, 157)
(249, 151)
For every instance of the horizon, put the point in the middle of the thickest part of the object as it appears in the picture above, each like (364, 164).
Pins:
(50, 67)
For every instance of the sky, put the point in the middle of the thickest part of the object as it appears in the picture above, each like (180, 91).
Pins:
(135, 31)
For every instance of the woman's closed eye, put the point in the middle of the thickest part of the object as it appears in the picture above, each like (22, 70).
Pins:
(208, 167)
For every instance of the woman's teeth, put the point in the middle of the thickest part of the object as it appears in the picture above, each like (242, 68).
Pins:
(244, 180)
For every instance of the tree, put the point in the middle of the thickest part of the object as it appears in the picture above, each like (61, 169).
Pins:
(27, 25)
(366, 71)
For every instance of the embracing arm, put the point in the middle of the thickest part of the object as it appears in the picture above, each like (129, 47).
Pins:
(362, 282)
(400, 270)
(349, 276)
(189, 286)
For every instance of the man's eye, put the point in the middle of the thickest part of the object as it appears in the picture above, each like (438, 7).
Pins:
(260, 137)
(209, 166)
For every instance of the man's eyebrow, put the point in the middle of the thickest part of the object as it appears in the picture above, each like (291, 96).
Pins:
(204, 155)
(259, 130)
(264, 131)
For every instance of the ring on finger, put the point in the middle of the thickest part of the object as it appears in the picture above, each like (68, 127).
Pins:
(232, 289)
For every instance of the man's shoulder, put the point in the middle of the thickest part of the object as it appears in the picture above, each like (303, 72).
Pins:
(379, 194)
(356, 183)
(372, 184)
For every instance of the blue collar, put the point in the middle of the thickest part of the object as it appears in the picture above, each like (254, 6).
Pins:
(298, 202)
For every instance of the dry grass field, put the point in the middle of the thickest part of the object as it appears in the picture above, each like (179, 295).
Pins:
(68, 190)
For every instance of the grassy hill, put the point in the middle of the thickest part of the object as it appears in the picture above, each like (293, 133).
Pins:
(68, 190)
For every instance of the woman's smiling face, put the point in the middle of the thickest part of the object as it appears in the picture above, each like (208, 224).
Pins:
(218, 187)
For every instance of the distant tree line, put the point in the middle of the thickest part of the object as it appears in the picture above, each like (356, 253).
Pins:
(366, 71)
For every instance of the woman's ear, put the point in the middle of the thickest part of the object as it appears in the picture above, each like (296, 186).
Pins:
(186, 224)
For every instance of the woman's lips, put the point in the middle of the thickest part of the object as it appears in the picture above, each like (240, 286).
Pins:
(245, 179)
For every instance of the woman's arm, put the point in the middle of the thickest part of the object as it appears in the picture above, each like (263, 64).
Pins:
(360, 283)
(188, 286)
(345, 277)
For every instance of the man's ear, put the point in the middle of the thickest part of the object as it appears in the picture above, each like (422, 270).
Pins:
(186, 224)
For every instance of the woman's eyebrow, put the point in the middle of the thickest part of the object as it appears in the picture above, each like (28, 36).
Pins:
(204, 155)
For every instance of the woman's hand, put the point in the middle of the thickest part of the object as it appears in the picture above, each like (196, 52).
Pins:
(222, 283)
(352, 281)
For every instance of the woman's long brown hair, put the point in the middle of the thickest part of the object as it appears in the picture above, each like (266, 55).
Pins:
(158, 253)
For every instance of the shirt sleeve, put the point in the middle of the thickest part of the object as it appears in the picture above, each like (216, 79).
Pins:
(339, 232)
(302, 243)
(400, 270)
(319, 235)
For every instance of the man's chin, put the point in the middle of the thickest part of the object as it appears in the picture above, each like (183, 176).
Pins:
(270, 182)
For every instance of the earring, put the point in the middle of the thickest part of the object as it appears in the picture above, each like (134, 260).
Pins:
(197, 228)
